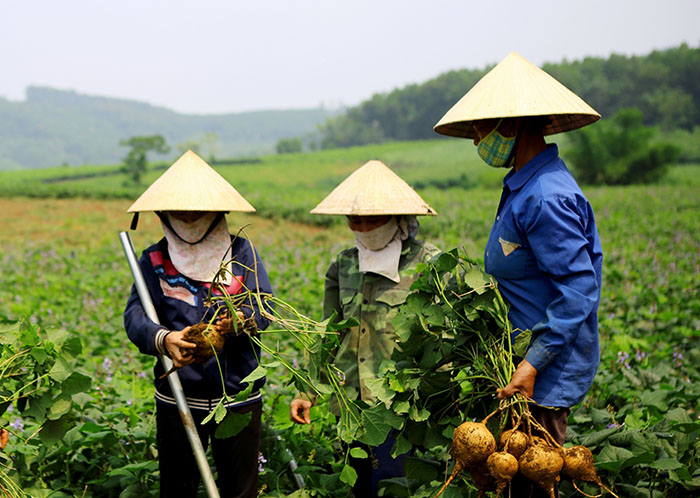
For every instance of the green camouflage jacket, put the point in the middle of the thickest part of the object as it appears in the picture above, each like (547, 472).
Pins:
(373, 300)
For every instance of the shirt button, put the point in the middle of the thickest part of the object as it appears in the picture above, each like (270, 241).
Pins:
(362, 360)
(498, 217)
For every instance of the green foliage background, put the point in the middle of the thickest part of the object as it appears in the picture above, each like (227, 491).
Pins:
(62, 267)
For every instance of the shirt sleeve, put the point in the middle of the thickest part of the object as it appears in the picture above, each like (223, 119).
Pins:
(141, 330)
(331, 293)
(556, 235)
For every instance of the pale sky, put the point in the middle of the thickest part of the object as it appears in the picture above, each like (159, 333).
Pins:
(217, 56)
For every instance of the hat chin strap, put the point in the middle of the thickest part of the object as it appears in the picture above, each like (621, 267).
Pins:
(166, 221)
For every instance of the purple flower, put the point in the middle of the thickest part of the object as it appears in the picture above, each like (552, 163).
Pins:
(295, 363)
(10, 409)
(640, 355)
(142, 375)
(130, 402)
(622, 357)
(677, 357)
(615, 425)
(261, 461)
(18, 425)
(107, 364)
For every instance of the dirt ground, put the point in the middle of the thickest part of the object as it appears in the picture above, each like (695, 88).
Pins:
(87, 223)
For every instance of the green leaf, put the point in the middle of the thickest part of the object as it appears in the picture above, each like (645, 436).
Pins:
(401, 406)
(232, 424)
(521, 343)
(76, 383)
(656, 398)
(377, 422)
(477, 280)
(218, 413)
(635, 420)
(666, 464)
(53, 430)
(380, 389)
(61, 370)
(612, 458)
(256, 374)
(446, 262)
(348, 475)
(358, 453)
(595, 438)
(61, 406)
(418, 415)
(401, 446)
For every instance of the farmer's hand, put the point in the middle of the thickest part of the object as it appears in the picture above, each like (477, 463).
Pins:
(177, 348)
(4, 438)
(523, 381)
(300, 411)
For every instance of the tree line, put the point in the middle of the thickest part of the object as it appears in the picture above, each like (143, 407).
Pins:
(664, 85)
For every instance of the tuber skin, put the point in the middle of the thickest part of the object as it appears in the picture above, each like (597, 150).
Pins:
(542, 465)
(472, 443)
(502, 467)
(197, 343)
(578, 464)
(516, 441)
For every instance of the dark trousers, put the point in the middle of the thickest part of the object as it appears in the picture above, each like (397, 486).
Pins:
(236, 458)
(554, 421)
(379, 465)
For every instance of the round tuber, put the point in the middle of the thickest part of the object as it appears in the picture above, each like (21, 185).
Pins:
(514, 442)
(502, 467)
(541, 465)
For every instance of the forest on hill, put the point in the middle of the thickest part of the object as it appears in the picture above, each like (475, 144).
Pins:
(54, 127)
(664, 85)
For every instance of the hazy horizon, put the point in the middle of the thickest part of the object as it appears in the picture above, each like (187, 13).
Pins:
(229, 57)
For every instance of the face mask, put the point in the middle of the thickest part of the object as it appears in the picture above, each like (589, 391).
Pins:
(378, 238)
(495, 149)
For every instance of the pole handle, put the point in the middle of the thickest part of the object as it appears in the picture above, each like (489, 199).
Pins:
(173, 379)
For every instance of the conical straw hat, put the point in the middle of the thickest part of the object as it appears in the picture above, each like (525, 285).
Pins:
(190, 184)
(371, 190)
(517, 88)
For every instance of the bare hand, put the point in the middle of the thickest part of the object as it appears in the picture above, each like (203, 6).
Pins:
(4, 438)
(178, 348)
(300, 411)
(523, 381)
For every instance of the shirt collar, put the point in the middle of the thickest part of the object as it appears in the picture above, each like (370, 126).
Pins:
(516, 179)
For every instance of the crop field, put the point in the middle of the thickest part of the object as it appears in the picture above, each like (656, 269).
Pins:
(63, 269)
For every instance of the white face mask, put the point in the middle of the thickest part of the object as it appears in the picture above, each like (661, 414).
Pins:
(379, 238)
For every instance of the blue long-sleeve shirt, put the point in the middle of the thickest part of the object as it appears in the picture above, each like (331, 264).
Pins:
(545, 253)
(179, 302)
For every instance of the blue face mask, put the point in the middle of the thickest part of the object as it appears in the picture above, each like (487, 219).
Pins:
(495, 149)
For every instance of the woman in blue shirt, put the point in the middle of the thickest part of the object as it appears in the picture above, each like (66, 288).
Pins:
(543, 248)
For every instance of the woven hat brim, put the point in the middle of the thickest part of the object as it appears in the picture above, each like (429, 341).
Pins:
(517, 88)
(190, 184)
(373, 190)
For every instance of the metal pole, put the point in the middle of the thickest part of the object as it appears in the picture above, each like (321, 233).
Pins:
(173, 378)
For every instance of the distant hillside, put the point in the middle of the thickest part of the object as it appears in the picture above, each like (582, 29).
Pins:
(53, 127)
(664, 85)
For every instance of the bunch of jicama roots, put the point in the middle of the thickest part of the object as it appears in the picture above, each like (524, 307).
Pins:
(493, 463)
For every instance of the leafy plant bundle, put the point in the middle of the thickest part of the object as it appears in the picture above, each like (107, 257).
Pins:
(39, 382)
